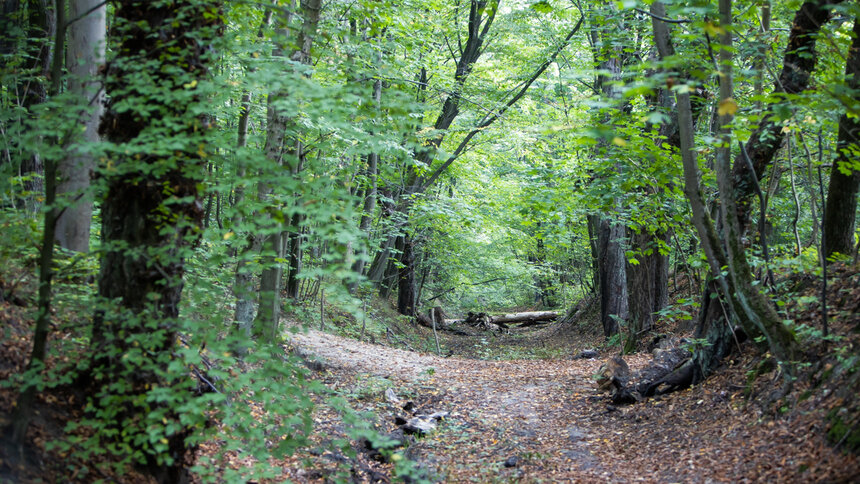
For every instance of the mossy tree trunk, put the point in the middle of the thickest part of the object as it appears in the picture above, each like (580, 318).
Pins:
(151, 214)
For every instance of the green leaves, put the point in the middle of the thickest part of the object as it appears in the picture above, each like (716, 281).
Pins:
(541, 6)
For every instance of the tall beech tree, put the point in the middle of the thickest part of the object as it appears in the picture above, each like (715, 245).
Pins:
(85, 53)
(285, 149)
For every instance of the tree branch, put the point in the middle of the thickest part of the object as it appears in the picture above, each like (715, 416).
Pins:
(490, 118)
(663, 19)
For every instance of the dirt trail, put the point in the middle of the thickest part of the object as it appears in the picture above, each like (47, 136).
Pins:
(522, 408)
(548, 416)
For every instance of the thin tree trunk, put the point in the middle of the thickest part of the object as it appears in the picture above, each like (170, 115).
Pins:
(23, 412)
(268, 316)
(797, 245)
(243, 285)
(40, 28)
(754, 303)
(593, 225)
(813, 196)
(84, 56)
(406, 280)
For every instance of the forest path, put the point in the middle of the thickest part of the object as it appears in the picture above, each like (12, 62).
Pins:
(548, 415)
(542, 413)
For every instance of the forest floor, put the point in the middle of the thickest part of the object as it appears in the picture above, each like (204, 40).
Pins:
(545, 421)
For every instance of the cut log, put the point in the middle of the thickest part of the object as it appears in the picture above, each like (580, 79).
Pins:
(528, 317)
(425, 321)
(502, 322)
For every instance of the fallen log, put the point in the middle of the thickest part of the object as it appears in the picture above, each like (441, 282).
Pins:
(527, 317)
(483, 321)
(502, 322)
(670, 370)
(427, 322)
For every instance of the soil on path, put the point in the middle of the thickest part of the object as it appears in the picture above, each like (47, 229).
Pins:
(546, 418)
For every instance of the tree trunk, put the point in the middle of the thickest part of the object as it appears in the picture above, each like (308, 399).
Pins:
(269, 311)
(268, 316)
(149, 190)
(84, 56)
(647, 285)
(265, 325)
(406, 279)
(716, 328)
(593, 225)
(368, 209)
(243, 287)
(376, 273)
(525, 317)
(30, 90)
(611, 239)
(710, 355)
(295, 248)
(754, 303)
(613, 278)
(23, 411)
(842, 191)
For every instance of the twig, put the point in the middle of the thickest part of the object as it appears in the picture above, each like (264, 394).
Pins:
(81, 16)
(823, 256)
(762, 213)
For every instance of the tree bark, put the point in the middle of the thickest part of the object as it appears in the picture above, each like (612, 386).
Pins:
(612, 235)
(525, 317)
(295, 243)
(593, 226)
(613, 278)
(647, 285)
(406, 279)
(839, 223)
(370, 194)
(85, 54)
(33, 21)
